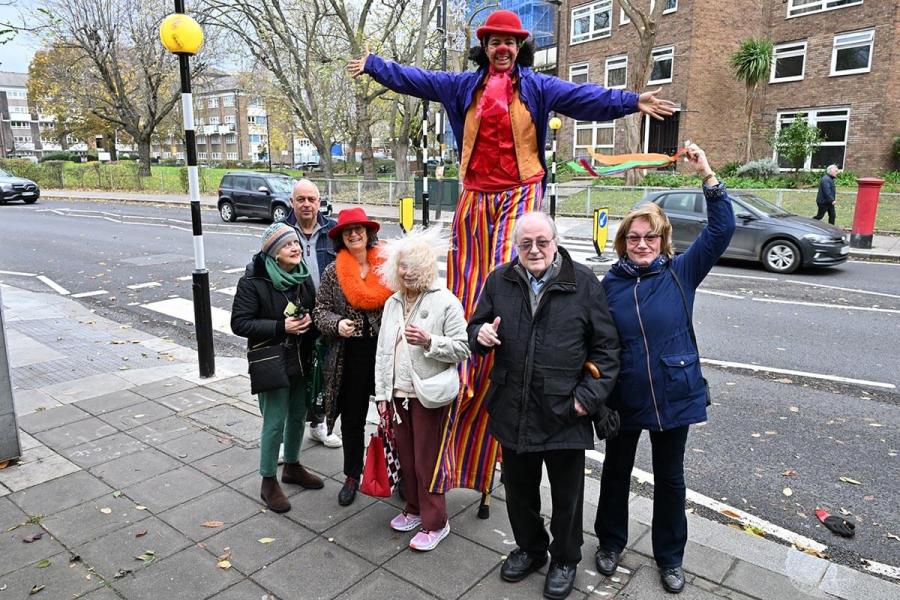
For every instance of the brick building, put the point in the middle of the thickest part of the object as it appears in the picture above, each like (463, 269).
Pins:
(835, 64)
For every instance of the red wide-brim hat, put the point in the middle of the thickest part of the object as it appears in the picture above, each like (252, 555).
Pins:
(352, 216)
(502, 21)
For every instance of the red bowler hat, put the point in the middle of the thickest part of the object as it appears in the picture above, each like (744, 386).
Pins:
(502, 21)
(349, 217)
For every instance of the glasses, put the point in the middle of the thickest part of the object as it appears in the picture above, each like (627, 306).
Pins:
(525, 245)
(635, 239)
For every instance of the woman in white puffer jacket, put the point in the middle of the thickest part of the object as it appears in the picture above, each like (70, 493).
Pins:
(422, 339)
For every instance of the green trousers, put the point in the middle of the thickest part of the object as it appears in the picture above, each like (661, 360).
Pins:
(284, 412)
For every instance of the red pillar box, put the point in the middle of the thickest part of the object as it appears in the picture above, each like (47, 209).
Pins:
(864, 214)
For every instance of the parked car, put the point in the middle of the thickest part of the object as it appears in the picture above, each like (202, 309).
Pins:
(17, 188)
(782, 241)
(261, 195)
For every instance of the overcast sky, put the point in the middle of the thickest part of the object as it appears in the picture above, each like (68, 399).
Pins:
(16, 55)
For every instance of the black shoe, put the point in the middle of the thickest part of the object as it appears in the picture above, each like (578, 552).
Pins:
(607, 561)
(560, 581)
(348, 493)
(672, 579)
(519, 564)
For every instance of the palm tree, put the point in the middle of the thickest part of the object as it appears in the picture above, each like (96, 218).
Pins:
(751, 64)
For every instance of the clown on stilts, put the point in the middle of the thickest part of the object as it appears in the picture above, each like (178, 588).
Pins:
(499, 117)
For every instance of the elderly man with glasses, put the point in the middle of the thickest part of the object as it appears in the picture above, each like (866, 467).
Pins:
(556, 356)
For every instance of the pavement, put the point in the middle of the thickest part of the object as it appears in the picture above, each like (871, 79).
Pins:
(140, 477)
(884, 247)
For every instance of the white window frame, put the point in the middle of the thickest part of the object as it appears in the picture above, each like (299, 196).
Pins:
(201, 155)
(214, 120)
(231, 139)
(844, 41)
(229, 119)
(19, 109)
(231, 155)
(216, 156)
(659, 50)
(612, 61)
(212, 103)
(813, 119)
(788, 50)
(20, 124)
(801, 8)
(228, 100)
(579, 69)
(589, 10)
(623, 16)
(594, 126)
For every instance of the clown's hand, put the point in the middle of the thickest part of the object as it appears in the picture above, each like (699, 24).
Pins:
(355, 66)
(655, 107)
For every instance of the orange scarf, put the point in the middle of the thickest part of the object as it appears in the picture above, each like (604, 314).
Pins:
(363, 294)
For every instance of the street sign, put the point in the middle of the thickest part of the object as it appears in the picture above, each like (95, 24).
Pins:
(407, 208)
(601, 229)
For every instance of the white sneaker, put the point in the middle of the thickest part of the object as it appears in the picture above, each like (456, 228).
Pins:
(320, 434)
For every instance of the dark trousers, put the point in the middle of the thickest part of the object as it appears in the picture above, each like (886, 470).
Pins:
(522, 480)
(826, 208)
(669, 529)
(353, 400)
(418, 438)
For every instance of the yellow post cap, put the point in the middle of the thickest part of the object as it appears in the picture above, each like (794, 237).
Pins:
(555, 123)
(181, 34)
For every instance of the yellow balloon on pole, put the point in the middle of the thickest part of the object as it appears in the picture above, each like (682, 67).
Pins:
(181, 34)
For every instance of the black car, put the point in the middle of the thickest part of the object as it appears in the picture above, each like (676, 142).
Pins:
(782, 241)
(262, 195)
(17, 188)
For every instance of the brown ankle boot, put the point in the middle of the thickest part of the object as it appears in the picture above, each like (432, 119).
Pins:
(271, 494)
(296, 474)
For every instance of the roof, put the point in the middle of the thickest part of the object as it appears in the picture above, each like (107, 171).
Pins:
(11, 79)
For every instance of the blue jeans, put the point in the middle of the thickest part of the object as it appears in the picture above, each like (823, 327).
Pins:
(669, 529)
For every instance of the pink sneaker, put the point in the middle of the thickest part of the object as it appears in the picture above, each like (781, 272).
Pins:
(405, 522)
(427, 540)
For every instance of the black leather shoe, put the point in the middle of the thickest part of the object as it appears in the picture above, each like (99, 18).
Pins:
(519, 564)
(672, 579)
(560, 581)
(607, 561)
(348, 493)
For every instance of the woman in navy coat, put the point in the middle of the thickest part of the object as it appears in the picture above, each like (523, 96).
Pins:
(660, 387)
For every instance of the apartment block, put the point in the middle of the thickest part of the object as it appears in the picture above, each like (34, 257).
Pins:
(20, 125)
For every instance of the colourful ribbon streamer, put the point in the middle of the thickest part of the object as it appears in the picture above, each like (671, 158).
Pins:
(617, 163)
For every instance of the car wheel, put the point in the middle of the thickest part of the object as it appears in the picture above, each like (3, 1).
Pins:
(226, 211)
(781, 256)
(279, 212)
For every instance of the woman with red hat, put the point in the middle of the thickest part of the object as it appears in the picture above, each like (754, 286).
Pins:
(348, 310)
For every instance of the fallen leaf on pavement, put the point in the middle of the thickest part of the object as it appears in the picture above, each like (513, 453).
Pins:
(42, 564)
(893, 536)
(106, 511)
(266, 540)
(140, 533)
(139, 507)
(4, 464)
(868, 498)
(224, 564)
(35, 589)
(754, 531)
(148, 556)
(32, 537)
(730, 513)
(756, 435)
(225, 555)
(809, 551)
(117, 493)
(794, 409)
(121, 573)
(849, 480)
(784, 380)
(789, 473)
(845, 512)
(787, 492)
(212, 524)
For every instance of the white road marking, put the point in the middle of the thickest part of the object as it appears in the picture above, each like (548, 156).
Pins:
(751, 367)
(824, 305)
(234, 270)
(843, 289)
(18, 273)
(722, 294)
(744, 518)
(183, 309)
(745, 277)
(89, 294)
(185, 278)
(231, 291)
(881, 569)
(142, 286)
(56, 287)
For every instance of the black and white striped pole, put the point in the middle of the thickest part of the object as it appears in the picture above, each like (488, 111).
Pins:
(425, 163)
(182, 35)
(555, 124)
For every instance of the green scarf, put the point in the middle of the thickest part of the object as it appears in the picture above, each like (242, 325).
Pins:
(281, 279)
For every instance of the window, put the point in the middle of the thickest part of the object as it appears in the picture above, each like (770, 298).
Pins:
(228, 100)
(591, 22)
(680, 202)
(214, 120)
(671, 6)
(256, 120)
(22, 139)
(229, 119)
(231, 155)
(832, 124)
(201, 155)
(213, 103)
(254, 138)
(788, 62)
(20, 124)
(18, 109)
(199, 121)
(231, 139)
(593, 136)
(578, 73)
(10, 93)
(852, 52)
(798, 8)
(216, 156)
(616, 72)
(662, 64)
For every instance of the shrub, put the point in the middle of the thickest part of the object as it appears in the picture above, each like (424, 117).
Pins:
(895, 152)
(63, 155)
(662, 179)
(763, 168)
(728, 169)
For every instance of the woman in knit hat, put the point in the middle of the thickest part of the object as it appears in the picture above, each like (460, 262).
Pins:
(272, 307)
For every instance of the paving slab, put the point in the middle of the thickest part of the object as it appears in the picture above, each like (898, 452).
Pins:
(48, 419)
(319, 509)
(136, 415)
(85, 522)
(170, 489)
(60, 580)
(37, 465)
(103, 593)
(303, 569)
(223, 504)
(327, 461)
(758, 582)
(179, 576)
(233, 386)
(429, 570)
(368, 534)
(248, 554)
(86, 387)
(133, 468)
(231, 421)
(103, 450)
(117, 550)
(645, 585)
(73, 434)
(494, 532)
(194, 399)
(164, 387)
(161, 432)
(230, 464)
(107, 403)
(196, 445)
(26, 402)
(492, 587)
(17, 555)
(844, 582)
(699, 560)
(62, 493)
(381, 584)
(245, 590)
(10, 514)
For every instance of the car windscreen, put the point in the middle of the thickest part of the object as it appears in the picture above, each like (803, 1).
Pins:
(5, 173)
(282, 184)
(763, 206)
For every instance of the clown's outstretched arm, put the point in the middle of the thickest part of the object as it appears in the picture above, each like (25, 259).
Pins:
(413, 81)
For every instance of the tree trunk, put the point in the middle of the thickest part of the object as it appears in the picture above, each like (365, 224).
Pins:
(748, 109)
(143, 156)
(400, 148)
(364, 136)
(633, 144)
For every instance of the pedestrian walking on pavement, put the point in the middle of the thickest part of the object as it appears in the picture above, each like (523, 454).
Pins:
(348, 311)
(827, 195)
(271, 308)
(318, 252)
(660, 386)
(543, 317)
(422, 339)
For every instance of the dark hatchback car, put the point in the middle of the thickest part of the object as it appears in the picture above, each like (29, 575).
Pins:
(781, 241)
(260, 195)
(17, 188)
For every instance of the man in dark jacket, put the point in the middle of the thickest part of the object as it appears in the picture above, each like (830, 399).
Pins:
(827, 194)
(543, 317)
